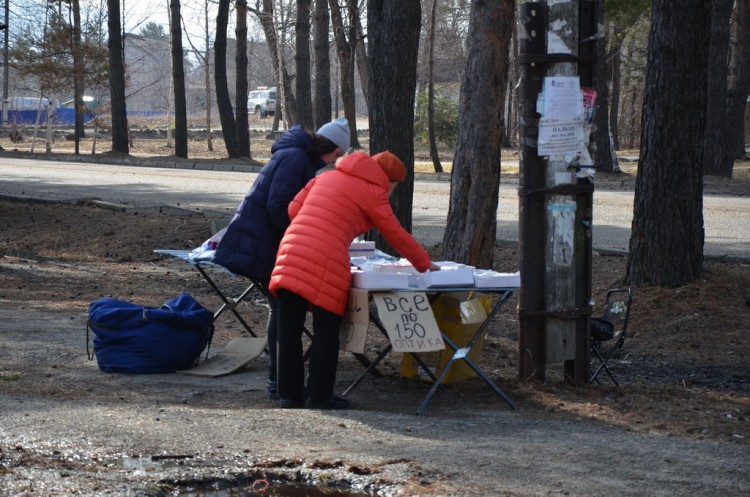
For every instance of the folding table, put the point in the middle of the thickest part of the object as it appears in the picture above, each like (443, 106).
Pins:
(501, 294)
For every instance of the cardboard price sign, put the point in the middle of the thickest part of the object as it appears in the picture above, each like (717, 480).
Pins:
(409, 321)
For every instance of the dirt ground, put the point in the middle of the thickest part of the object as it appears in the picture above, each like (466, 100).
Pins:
(684, 383)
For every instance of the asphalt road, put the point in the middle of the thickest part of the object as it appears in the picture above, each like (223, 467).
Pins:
(725, 217)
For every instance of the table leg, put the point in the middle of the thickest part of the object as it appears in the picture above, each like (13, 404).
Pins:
(462, 354)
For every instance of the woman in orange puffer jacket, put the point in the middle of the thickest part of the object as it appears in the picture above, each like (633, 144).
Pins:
(312, 267)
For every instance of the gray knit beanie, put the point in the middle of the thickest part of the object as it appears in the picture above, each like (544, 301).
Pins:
(338, 132)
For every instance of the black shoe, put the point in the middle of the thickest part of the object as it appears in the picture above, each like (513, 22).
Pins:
(291, 403)
(335, 402)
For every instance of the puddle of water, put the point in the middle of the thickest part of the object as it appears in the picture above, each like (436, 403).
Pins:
(283, 489)
(146, 463)
(224, 488)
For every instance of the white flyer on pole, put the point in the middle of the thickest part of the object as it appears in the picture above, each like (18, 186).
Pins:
(562, 97)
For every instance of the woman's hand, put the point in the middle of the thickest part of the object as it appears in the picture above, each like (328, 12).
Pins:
(434, 267)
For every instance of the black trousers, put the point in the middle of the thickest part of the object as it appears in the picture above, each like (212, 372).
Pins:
(324, 351)
(271, 330)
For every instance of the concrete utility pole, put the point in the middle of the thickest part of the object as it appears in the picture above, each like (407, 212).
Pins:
(555, 203)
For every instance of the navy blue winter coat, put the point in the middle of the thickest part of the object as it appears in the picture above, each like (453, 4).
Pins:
(252, 238)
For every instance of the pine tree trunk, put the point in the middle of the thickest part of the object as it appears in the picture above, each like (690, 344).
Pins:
(322, 90)
(302, 88)
(666, 244)
(117, 79)
(434, 154)
(739, 84)
(78, 68)
(393, 43)
(615, 58)
(346, 69)
(223, 101)
(178, 76)
(240, 106)
(475, 180)
(604, 153)
(718, 69)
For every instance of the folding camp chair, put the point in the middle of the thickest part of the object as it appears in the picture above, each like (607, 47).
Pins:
(201, 261)
(611, 325)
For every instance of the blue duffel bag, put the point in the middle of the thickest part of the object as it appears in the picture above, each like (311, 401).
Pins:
(130, 338)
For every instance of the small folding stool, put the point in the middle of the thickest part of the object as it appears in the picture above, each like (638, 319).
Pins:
(202, 260)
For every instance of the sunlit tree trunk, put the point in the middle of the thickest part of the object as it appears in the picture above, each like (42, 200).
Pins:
(475, 180)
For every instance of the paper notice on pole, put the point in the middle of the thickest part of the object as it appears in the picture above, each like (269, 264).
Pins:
(560, 136)
(562, 97)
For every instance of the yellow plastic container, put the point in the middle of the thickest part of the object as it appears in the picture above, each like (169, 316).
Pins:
(458, 315)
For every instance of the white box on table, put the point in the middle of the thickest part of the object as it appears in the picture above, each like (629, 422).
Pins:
(379, 280)
(485, 278)
(362, 249)
(450, 274)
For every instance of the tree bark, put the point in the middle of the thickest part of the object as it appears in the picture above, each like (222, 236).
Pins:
(178, 76)
(615, 58)
(117, 79)
(605, 157)
(207, 75)
(714, 143)
(240, 106)
(739, 83)
(78, 68)
(345, 52)
(666, 244)
(475, 181)
(322, 90)
(223, 101)
(284, 83)
(361, 56)
(302, 87)
(393, 43)
(434, 155)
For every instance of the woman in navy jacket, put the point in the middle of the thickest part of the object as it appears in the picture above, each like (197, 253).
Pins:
(249, 245)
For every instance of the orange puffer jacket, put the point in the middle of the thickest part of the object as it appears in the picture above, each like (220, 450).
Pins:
(335, 207)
